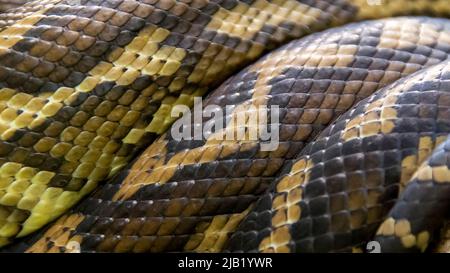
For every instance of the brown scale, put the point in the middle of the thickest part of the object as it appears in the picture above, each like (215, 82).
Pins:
(213, 183)
(414, 223)
(340, 188)
(294, 18)
(5, 5)
(12, 15)
(84, 87)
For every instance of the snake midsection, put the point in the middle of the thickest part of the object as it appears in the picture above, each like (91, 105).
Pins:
(191, 195)
(85, 87)
(336, 193)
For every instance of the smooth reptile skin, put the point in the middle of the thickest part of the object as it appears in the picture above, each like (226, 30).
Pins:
(130, 62)
(191, 195)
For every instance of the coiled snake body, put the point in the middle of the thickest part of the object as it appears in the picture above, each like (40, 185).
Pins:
(363, 126)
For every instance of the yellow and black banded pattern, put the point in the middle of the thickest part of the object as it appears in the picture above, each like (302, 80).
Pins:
(336, 193)
(12, 15)
(83, 87)
(191, 195)
(423, 207)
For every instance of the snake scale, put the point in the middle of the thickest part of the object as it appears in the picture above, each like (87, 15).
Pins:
(87, 153)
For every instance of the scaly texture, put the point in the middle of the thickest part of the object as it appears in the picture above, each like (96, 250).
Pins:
(424, 205)
(336, 193)
(12, 15)
(86, 84)
(10, 4)
(190, 195)
(84, 87)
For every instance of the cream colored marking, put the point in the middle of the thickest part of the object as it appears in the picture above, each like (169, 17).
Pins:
(439, 174)
(59, 236)
(387, 228)
(361, 126)
(14, 33)
(389, 8)
(142, 56)
(217, 233)
(380, 114)
(286, 211)
(245, 21)
(402, 229)
(277, 241)
(155, 156)
(425, 172)
(410, 165)
(423, 239)
(408, 241)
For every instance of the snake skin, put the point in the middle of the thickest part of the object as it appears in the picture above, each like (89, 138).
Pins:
(191, 195)
(336, 193)
(11, 15)
(6, 5)
(85, 87)
(424, 205)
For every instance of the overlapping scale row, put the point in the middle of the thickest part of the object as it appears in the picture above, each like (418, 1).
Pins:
(190, 195)
(414, 223)
(84, 86)
(372, 9)
(337, 192)
(10, 16)
(10, 4)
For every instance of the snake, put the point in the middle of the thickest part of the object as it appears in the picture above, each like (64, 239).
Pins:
(88, 154)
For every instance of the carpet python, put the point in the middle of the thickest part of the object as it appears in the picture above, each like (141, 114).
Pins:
(86, 146)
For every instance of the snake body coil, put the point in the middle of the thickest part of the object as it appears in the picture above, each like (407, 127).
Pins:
(334, 195)
(84, 88)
